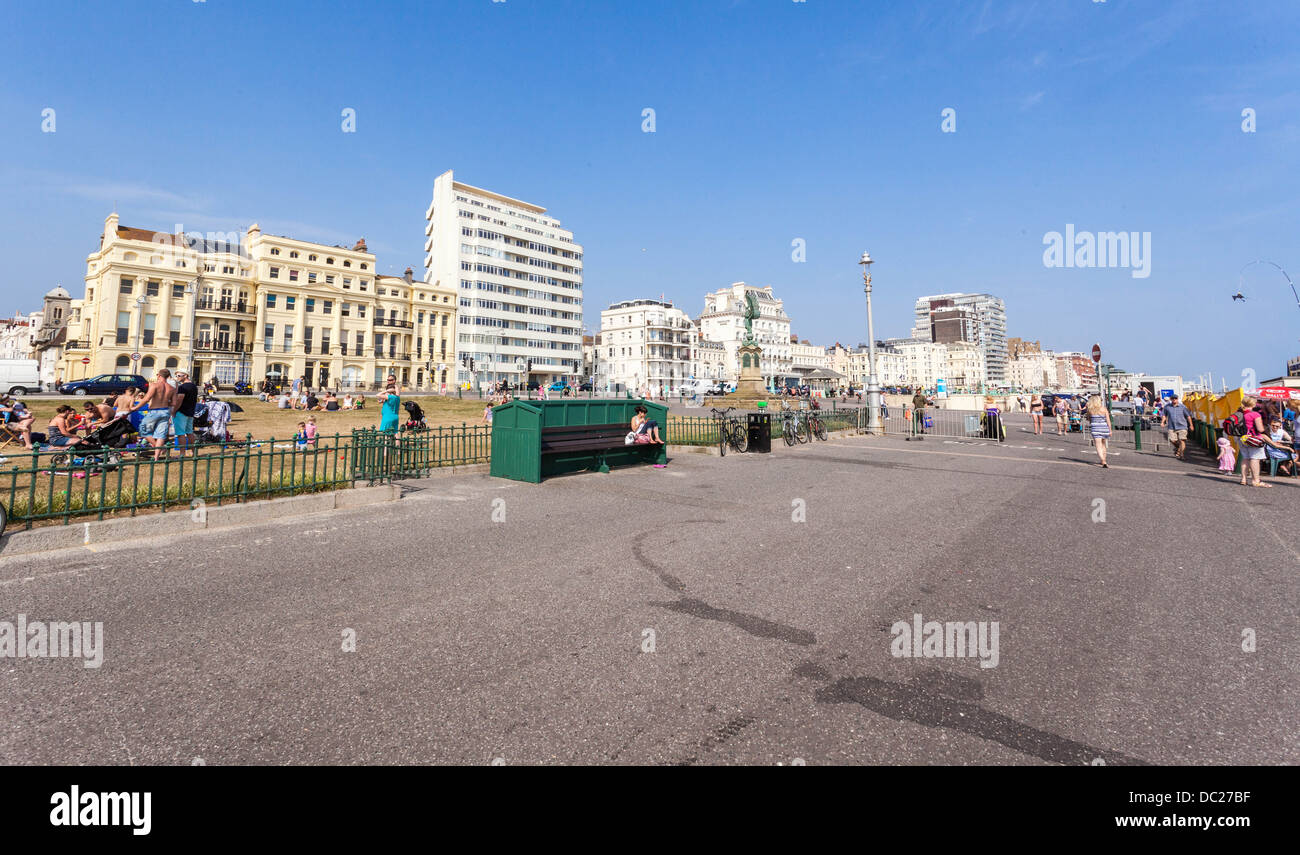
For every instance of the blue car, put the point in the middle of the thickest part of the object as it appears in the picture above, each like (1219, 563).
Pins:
(103, 384)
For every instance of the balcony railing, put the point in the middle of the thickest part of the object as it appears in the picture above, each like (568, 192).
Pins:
(77, 344)
(223, 345)
(225, 304)
(393, 322)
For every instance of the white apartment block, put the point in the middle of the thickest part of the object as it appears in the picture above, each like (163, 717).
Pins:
(965, 366)
(709, 359)
(807, 356)
(647, 344)
(992, 328)
(723, 321)
(925, 362)
(891, 367)
(519, 276)
(1033, 371)
(16, 335)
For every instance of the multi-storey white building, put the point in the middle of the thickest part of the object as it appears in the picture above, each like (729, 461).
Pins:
(1034, 371)
(981, 318)
(519, 275)
(710, 360)
(647, 345)
(926, 362)
(723, 321)
(891, 366)
(964, 368)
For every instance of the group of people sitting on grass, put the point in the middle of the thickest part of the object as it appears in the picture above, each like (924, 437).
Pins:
(327, 402)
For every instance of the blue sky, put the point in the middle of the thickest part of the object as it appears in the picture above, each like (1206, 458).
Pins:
(774, 121)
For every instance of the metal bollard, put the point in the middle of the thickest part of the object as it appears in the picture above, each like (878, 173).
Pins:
(1137, 433)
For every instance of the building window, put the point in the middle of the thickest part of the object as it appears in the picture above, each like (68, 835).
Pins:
(306, 338)
(123, 361)
(288, 337)
(178, 291)
(343, 310)
(293, 275)
(151, 289)
(172, 362)
(293, 254)
(275, 251)
(311, 304)
(275, 273)
(347, 263)
(270, 301)
(150, 322)
(329, 260)
(289, 303)
(268, 337)
(327, 307)
(123, 326)
(311, 277)
(361, 310)
(126, 285)
(311, 257)
(329, 278)
(174, 332)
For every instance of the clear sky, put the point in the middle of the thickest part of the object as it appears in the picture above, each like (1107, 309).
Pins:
(774, 121)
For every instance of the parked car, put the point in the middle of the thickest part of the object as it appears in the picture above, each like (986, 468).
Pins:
(585, 387)
(104, 384)
(20, 376)
(557, 386)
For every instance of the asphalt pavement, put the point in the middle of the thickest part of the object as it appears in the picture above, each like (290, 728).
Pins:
(718, 611)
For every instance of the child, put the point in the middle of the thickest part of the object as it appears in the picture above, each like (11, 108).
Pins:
(310, 429)
(300, 438)
(1227, 458)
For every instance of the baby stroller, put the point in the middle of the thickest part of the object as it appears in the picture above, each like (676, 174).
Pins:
(415, 416)
(100, 450)
(1076, 421)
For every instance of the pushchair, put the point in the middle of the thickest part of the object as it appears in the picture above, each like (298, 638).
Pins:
(1076, 421)
(415, 416)
(100, 450)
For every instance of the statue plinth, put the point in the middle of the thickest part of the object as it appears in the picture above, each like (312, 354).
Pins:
(751, 383)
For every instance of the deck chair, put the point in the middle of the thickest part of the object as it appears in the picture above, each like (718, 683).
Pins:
(9, 435)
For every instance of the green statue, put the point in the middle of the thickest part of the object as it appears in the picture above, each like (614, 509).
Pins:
(751, 312)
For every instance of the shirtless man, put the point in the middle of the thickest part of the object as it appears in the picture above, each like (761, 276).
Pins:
(122, 403)
(157, 404)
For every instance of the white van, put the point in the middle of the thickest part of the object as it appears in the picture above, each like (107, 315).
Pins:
(20, 376)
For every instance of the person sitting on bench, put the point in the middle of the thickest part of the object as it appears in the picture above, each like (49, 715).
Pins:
(645, 428)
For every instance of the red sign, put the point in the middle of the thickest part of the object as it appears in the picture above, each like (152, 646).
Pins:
(1277, 393)
(85, 360)
(1096, 353)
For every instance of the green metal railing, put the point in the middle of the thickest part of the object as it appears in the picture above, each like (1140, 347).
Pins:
(63, 484)
(703, 430)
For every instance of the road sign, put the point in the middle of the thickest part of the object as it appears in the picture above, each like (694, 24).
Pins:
(135, 357)
(1096, 353)
(85, 360)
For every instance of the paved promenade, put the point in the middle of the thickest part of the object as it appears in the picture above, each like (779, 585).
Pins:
(504, 622)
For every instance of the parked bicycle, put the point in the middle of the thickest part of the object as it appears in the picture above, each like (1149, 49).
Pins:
(730, 431)
(816, 426)
(794, 426)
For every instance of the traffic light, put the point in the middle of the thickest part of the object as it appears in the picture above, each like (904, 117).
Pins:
(530, 367)
(471, 365)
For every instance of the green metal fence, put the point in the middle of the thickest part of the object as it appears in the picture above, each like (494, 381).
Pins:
(63, 484)
(703, 430)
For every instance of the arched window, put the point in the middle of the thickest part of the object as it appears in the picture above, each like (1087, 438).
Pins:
(123, 361)
(275, 250)
(293, 254)
(146, 363)
(311, 257)
(329, 260)
(130, 256)
(347, 263)
(363, 265)
(172, 362)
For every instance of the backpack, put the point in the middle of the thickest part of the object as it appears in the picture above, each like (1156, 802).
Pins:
(1235, 424)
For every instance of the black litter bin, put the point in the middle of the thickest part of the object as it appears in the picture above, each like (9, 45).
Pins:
(760, 433)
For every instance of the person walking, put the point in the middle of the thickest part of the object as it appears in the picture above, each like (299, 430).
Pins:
(1099, 425)
(918, 413)
(1059, 409)
(1177, 420)
(182, 412)
(1036, 413)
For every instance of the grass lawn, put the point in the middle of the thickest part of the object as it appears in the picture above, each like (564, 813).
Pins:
(265, 420)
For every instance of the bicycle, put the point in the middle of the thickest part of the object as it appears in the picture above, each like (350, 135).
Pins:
(794, 428)
(730, 431)
(816, 426)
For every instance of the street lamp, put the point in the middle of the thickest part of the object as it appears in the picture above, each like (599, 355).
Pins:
(873, 384)
(139, 329)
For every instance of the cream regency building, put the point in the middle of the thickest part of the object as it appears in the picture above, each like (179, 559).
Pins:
(255, 306)
(723, 321)
(648, 343)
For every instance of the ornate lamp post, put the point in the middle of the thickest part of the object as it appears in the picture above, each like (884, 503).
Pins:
(873, 383)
